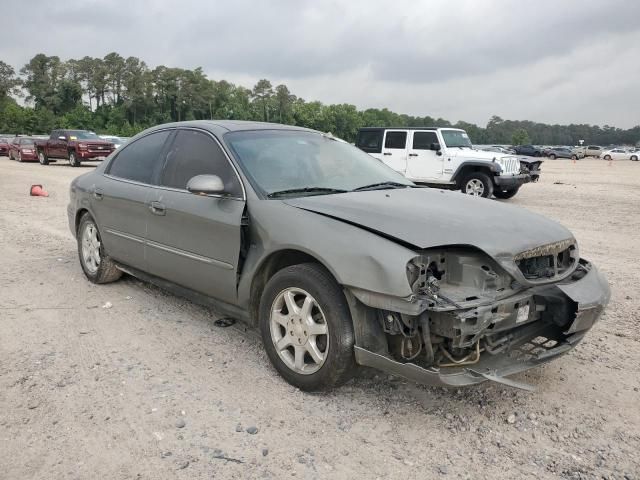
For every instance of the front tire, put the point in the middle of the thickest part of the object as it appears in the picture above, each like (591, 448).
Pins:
(73, 159)
(634, 158)
(306, 327)
(607, 157)
(552, 156)
(96, 264)
(477, 184)
(20, 157)
(42, 158)
(505, 194)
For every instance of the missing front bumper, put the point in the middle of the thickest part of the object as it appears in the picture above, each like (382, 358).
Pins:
(543, 343)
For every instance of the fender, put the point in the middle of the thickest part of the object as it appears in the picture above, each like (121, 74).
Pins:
(493, 167)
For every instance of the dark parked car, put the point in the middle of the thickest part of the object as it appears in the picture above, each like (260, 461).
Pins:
(4, 147)
(529, 150)
(562, 152)
(338, 259)
(23, 149)
(74, 146)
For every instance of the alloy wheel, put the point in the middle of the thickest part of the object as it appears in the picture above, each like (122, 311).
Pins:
(91, 248)
(299, 331)
(474, 187)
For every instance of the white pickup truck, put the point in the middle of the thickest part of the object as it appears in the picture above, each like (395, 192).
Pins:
(444, 157)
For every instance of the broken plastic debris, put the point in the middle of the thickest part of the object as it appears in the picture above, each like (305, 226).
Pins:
(107, 305)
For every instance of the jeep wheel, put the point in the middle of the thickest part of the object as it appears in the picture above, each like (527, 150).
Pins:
(306, 327)
(552, 156)
(477, 184)
(42, 158)
(73, 159)
(505, 194)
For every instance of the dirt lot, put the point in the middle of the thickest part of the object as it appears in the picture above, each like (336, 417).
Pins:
(150, 388)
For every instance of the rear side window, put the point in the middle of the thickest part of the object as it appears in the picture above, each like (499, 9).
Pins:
(195, 153)
(370, 141)
(395, 140)
(423, 140)
(137, 160)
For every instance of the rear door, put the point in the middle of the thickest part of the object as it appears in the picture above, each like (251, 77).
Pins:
(394, 149)
(119, 199)
(423, 162)
(194, 240)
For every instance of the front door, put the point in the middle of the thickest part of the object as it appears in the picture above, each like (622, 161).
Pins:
(119, 199)
(394, 149)
(423, 162)
(194, 240)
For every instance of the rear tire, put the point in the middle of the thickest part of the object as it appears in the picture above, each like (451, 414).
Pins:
(42, 158)
(552, 156)
(477, 184)
(96, 264)
(73, 159)
(574, 157)
(634, 158)
(607, 157)
(505, 194)
(311, 343)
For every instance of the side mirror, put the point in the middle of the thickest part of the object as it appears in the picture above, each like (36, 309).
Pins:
(205, 185)
(62, 137)
(435, 146)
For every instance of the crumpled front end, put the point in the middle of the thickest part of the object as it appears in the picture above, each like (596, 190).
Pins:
(486, 326)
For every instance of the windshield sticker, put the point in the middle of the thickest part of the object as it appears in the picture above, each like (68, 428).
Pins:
(73, 137)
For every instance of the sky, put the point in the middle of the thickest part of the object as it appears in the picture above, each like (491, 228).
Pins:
(560, 61)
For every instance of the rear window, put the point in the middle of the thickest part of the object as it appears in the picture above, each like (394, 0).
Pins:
(370, 141)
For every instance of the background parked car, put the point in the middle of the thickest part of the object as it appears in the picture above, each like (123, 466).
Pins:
(563, 152)
(117, 141)
(529, 150)
(23, 149)
(593, 151)
(619, 154)
(74, 146)
(4, 147)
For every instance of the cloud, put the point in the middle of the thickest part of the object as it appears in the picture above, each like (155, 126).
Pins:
(559, 62)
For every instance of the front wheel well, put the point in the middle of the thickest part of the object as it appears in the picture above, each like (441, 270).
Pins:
(79, 214)
(464, 171)
(269, 267)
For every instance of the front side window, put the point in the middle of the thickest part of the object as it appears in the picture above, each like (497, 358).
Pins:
(293, 160)
(396, 140)
(137, 160)
(423, 140)
(195, 153)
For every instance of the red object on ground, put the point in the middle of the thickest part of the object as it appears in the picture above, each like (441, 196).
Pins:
(38, 191)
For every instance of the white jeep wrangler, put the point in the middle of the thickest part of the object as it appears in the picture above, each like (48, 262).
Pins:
(444, 157)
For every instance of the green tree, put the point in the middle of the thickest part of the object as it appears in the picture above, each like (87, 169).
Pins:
(520, 137)
(9, 82)
(262, 93)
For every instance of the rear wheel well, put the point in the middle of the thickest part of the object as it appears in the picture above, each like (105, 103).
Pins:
(79, 214)
(269, 267)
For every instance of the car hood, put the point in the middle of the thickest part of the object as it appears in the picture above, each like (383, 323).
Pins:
(424, 218)
(478, 154)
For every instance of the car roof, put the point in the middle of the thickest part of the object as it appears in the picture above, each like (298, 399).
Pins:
(231, 125)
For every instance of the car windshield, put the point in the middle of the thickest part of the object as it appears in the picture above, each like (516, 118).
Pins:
(298, 163)
(456, 138)
(26, 141)
(82, 135)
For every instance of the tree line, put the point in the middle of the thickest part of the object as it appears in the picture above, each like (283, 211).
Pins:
(123, 96)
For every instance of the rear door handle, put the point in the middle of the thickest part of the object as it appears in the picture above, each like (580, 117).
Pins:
(157, 208)
(97, 194)
(387, 153)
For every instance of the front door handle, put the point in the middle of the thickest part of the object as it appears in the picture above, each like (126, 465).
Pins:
(157, 208)
(387, 153)
(413, 154)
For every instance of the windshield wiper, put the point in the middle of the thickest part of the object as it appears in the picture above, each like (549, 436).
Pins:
(319, 190)
(375, 186)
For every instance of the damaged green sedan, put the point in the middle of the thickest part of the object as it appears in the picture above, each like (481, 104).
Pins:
(336, 258)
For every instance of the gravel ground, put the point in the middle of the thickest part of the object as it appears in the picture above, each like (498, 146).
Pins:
(146, 386)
